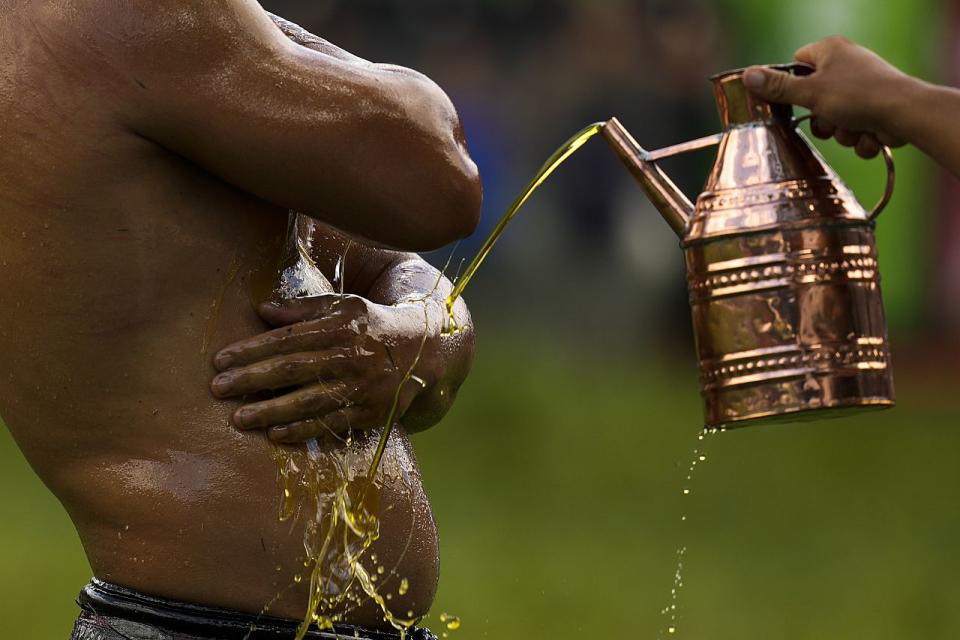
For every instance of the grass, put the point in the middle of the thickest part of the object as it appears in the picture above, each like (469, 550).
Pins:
(557, 481)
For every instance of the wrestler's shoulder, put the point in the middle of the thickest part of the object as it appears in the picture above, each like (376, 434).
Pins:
(154, 21)
(150, 28)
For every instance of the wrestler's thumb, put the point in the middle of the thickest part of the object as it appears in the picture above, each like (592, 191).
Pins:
(778, 86)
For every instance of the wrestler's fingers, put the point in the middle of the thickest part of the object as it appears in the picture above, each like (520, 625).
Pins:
(846, 137)
(308, 402)
(281, 314)
(867, 146)
(335, 423)
(306, 336)
(288, 371)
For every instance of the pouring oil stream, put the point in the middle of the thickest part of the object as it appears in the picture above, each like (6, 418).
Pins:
(553, 162)
(346, 518)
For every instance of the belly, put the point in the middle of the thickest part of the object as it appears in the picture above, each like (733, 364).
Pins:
(191, 509)
(108, 398)
(215, 527)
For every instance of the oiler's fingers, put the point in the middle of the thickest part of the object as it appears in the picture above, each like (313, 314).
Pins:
(822, 128)
(302, 404)
(779, 86)
(888, 140)
(334, 423)
(288, 371)
(306, 336)
(867, 146)
(846, 137)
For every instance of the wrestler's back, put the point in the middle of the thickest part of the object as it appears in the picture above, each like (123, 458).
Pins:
(122, 269)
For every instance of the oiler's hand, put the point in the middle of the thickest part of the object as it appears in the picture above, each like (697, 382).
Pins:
(855, 95)
(337, 363)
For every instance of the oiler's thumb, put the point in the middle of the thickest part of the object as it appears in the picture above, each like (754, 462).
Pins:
(778, 86)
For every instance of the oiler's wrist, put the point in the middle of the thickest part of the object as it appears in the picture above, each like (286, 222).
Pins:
(900, 108)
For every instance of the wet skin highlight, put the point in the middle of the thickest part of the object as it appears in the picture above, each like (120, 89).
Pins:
(145, 184)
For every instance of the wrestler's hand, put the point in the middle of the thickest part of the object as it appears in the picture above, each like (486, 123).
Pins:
(855, 95)
(336, 363)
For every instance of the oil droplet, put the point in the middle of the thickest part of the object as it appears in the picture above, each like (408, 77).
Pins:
(671, 629)
(380, 570)
(686, 492)
(298, 578)
(404, 587)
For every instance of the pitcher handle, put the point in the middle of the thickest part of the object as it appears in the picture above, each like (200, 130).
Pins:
(891, 173)
(891, 181)
(683, 147)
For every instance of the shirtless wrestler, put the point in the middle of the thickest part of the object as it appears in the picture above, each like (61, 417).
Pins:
(149, 154)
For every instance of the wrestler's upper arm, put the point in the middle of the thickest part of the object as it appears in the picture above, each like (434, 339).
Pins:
(362, 147)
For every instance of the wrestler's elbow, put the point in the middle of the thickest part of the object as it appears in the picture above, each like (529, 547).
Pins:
(446, 191)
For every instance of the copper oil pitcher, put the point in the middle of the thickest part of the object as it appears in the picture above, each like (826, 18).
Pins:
(781, 267)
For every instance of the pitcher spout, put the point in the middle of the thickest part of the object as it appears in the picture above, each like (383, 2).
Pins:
(672, 204)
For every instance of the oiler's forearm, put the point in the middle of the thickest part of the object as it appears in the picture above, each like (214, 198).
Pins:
(926, 116)
(447, 356)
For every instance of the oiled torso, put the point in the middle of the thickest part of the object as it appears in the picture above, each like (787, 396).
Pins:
(122, 270)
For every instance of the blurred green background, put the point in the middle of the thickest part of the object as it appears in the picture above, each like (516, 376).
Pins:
(557, 478)
(557, 490)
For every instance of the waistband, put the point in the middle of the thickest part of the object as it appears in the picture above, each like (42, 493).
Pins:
(106, 600)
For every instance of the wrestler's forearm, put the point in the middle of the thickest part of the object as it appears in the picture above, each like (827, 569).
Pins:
(367, 148)
(304, 38)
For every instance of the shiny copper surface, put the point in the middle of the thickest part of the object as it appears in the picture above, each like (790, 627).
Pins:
(675, 207)
(781, 268)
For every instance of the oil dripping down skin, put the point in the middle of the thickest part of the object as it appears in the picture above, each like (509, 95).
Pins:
(325, 486)
(345, 525)
(335, 490)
